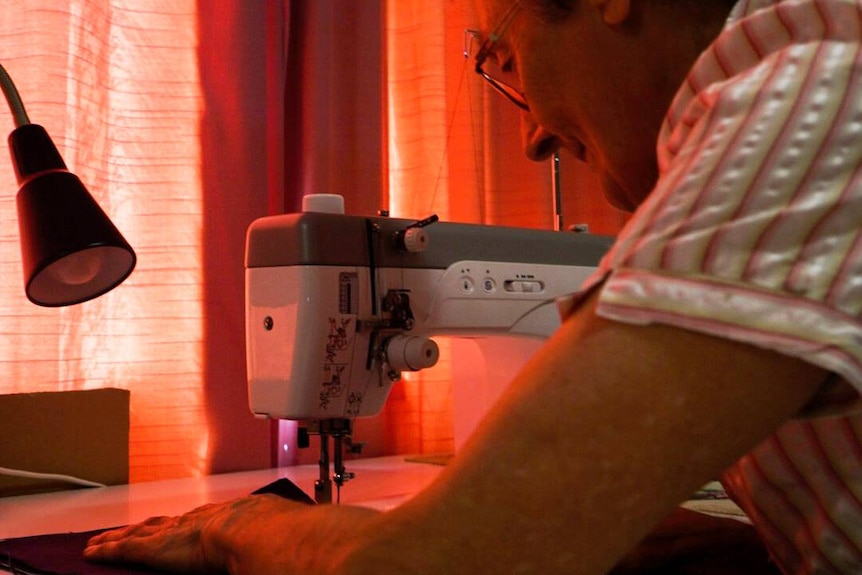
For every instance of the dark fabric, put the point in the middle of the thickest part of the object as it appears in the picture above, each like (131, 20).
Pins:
(691, 543)
(62, 553)
(286, 488)
(59, 554)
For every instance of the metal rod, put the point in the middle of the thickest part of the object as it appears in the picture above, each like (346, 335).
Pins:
(556, 190)
(323, 485)
(341, 475)
(13, 98)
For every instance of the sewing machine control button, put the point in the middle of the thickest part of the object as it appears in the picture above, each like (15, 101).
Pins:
(466, 284)
(489, 285)
(523, 286)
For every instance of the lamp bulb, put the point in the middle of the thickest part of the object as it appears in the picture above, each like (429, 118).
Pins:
(77, 268)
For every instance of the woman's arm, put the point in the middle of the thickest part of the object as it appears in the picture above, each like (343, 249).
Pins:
(598, 438)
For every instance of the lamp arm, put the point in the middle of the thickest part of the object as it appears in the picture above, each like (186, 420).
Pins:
(13, 98)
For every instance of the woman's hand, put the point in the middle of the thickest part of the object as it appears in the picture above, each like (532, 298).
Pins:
(181, 544)
(256, 534)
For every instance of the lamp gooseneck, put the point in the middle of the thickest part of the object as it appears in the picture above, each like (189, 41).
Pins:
(13, 98)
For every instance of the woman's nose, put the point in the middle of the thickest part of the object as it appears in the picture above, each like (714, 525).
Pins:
(539, 144)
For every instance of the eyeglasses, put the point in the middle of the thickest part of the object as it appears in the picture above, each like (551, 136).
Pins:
(511, 93)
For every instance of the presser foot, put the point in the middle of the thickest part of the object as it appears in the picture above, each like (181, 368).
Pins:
(340, 431)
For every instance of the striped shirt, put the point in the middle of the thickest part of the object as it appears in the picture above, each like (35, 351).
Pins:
(752, 233)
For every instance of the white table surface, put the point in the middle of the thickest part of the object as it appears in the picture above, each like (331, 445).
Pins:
(381, 483)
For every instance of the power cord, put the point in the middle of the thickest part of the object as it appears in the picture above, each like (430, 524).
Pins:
(50, 477)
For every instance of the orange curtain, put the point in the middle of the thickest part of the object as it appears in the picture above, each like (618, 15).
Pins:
(187, 120)
(125, 115)
(454, 146)
(145, 114)
(454, 149)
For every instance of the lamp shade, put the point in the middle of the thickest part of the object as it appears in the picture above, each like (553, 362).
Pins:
(70, 250)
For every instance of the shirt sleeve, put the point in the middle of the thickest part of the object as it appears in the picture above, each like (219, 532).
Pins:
(753, 230)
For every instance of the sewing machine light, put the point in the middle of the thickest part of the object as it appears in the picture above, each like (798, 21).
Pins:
(70, 250)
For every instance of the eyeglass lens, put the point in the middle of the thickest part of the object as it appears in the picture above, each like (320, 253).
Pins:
(489, 68)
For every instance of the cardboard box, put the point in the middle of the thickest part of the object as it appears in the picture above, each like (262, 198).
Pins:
(82, 434)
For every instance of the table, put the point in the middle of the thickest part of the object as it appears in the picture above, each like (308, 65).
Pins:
(380, 483)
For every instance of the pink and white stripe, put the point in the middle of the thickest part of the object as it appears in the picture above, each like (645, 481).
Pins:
(754, 233)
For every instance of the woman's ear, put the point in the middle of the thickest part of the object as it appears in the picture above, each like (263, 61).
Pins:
(614, 12)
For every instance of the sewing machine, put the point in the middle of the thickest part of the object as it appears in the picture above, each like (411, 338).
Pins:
(338, 306)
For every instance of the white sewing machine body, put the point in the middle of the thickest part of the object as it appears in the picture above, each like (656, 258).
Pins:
(337, 306)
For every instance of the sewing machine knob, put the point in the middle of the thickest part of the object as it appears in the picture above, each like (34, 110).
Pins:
(414, 240)
(411, 352)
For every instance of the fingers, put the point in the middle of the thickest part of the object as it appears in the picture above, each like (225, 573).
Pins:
(125, 544)
(137, 530)
(188, 543)
(167, 543)
(151, 525)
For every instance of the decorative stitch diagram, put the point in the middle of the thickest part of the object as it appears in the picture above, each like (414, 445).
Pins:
(334, 363)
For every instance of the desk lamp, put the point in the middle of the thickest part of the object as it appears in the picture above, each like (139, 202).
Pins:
(70, 250)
